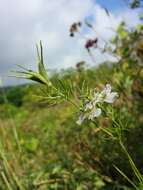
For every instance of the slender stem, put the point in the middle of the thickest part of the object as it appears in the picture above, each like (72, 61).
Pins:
(104, 130)
(49, 181)
(6, 181)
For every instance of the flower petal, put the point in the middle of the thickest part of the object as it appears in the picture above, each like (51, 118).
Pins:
(95, 113)
(107, 89)
(110, 98)
(81, 118)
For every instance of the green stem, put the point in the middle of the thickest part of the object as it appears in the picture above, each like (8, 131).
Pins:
(6, 181)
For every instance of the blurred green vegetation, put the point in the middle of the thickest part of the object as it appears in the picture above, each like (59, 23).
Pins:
(57, 153)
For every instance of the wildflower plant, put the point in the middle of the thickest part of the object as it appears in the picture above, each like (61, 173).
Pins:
(94, 105)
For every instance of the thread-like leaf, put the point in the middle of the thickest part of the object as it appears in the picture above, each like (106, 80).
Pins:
(41, 67)
(126, 177)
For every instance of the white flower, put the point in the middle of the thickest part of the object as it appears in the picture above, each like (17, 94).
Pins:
(95, 113)
(90, 111)
(91, 108)
(81, 118)
(109, 96)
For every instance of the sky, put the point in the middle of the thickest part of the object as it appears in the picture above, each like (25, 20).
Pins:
(24, 23)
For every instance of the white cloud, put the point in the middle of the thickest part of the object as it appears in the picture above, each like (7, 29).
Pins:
(26, 22)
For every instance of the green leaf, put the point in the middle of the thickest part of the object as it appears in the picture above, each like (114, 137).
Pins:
(135, 4)
(41, 68)
(121, 31)
(40, 76)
